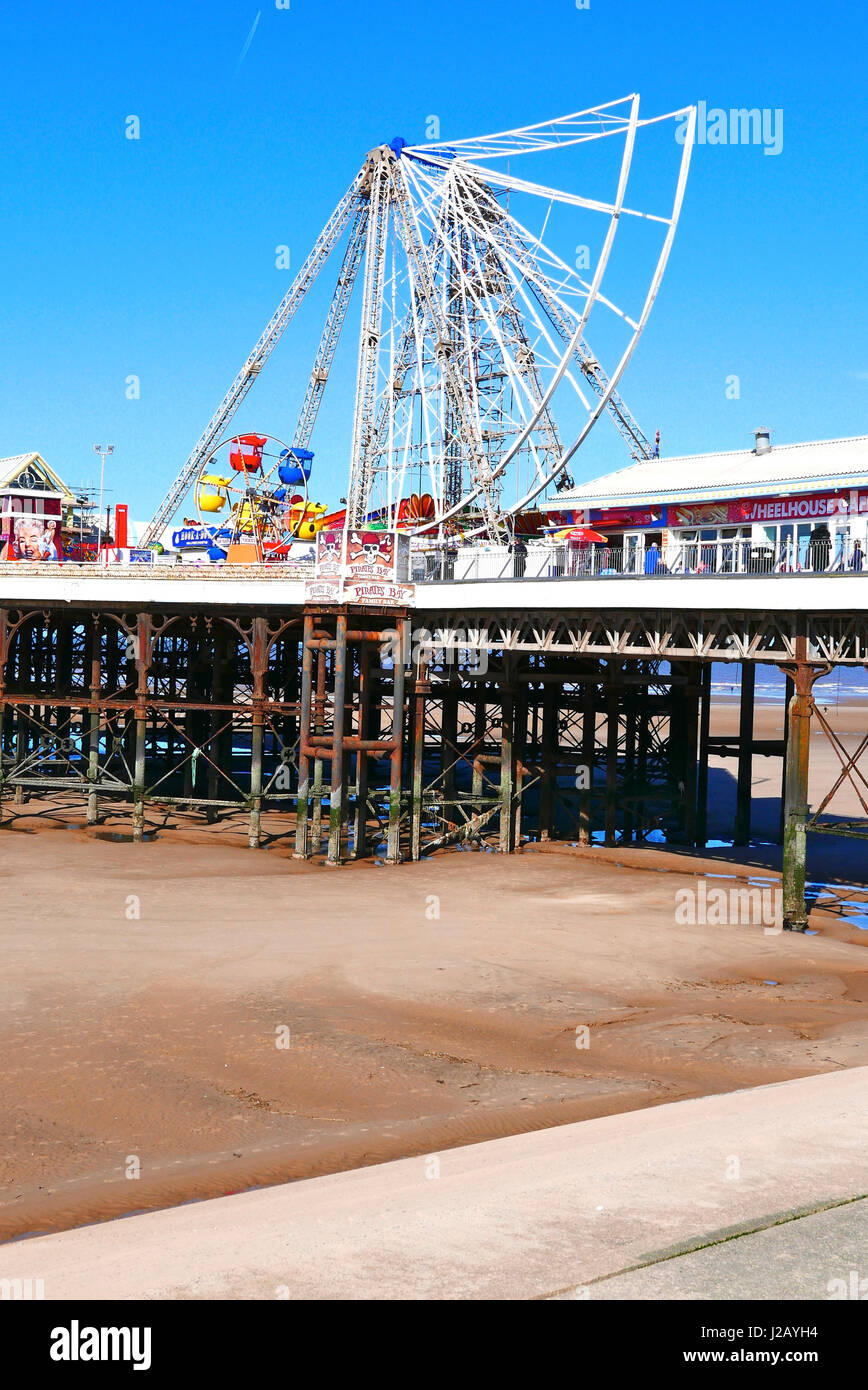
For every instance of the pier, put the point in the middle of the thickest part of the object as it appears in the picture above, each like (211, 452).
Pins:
(485, 713)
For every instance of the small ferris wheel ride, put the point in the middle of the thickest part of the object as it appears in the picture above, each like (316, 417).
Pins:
(251, 495)
(472, 327)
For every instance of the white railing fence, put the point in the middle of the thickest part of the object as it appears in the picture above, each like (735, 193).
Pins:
(599, 561)
(436, 565)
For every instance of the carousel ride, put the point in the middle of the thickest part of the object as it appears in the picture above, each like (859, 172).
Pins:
(475, 384)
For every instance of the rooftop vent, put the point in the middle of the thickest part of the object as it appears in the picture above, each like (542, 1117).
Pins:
(763, 441)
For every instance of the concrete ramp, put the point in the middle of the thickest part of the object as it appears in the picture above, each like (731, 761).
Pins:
(606, 1208)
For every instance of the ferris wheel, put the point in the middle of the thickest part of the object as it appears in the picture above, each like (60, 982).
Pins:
(475, 384)
(251, 492)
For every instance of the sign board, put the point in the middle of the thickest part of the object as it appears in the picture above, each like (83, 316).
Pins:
(191, 538)
(809, 506)
(124, 555)
(323, 591)
(633, 518)
(31, 538)
(361, 566)
(379, 592)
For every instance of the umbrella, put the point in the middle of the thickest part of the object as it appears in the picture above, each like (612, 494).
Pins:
(580, 535)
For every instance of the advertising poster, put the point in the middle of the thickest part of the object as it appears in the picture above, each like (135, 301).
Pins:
(360, 566)
(328, 554)
(323, 591)
(370, 555)
(35, 539)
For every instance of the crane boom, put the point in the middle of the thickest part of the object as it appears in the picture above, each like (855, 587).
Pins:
(359, 487)
(258, 357)
(332, 331)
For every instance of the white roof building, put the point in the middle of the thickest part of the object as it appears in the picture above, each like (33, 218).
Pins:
(29, 473)
(780, 470)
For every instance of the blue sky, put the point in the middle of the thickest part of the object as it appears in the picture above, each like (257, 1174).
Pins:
(156, 257)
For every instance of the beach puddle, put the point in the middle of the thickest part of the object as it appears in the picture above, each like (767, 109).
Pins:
(117, 837)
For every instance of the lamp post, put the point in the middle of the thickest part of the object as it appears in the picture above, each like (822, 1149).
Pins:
(103, 450)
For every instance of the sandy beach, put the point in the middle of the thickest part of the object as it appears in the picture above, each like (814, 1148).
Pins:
(186, 1017)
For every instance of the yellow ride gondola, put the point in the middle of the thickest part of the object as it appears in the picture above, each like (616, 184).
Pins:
(211, 499)
(305, 519)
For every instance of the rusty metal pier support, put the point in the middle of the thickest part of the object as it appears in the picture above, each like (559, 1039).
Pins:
(355, 714)
(803, 673)
(322, 727)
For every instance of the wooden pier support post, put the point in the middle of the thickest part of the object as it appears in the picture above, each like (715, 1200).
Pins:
(218, 745)
(796, 807)
(612, 735)
(94, 721)
(643, 745)
(519, 724)
(4, 655)
(803, 674)
(449, 742)
(360, 813)
(319, 729)
(421, 690)
(702, 772)
(741, 833)
(302, 824)
(338, 778)
(258, 667)
(291, 678)
(19, 712)
(548, 759)
(143, 661)
(479, 733)
(396, 757)
(589, 749)
(507, 758)
(692, 698)
(789, 690)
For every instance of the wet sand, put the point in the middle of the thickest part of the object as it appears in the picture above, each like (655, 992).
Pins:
(146, 989)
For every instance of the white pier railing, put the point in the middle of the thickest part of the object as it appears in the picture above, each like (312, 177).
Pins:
(719, 558)
(444, 564)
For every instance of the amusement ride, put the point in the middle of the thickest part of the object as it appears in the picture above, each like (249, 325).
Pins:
(472, 330)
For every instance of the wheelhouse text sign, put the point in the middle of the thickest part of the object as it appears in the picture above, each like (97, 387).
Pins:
(810, 506)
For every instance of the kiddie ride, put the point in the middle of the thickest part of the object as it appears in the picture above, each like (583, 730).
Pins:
(258, 486)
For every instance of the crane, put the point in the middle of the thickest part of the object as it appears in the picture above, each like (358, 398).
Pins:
(254, 363)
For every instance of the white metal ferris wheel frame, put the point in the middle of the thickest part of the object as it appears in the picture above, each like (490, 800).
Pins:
(417, 183)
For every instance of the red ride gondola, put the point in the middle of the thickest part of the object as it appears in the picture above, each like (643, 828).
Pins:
(245, 453)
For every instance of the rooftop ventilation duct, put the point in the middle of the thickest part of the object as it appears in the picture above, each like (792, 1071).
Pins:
(763, 441)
